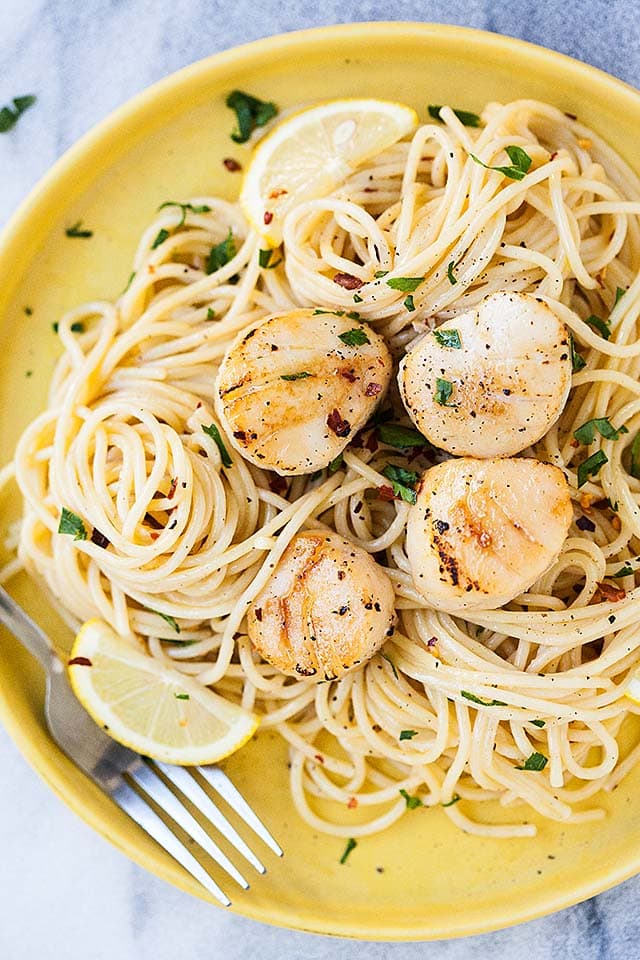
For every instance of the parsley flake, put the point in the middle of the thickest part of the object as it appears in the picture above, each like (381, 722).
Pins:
(336, 463)
(448, 338)
(9, 116)
(444, 389)
(602, 326)
(454, 799)
(173, 623)
(354, 338)
(520, 163)
(402, 482)
(634, 466)
(450, 274)
(72, 524)
(401, 437)
(161, 236)
(591, 466)
(538, 723)
(295, 376)
(77, 231)
(537, 761)
(409, 304)
(264, 259)
(182, 696)
(213, 432)
(250, 112)
(221, 253)
(405, 284)
(198, 208)
(379, 274)
(411, 802)
(586, 433)
(464, 116)
(620, 292)
(408, 734)
(577, 360)
(385, 656)
(483, 703)
(351, 845)
(624, 571)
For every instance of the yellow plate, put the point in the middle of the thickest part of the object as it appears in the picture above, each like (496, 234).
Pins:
(168, 143)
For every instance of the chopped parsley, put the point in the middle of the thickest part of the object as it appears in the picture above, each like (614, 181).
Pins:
(409, 304)
(444, 389)
(385, 656)
(538, 723)
(634, 466)
(295, 376)
(264, 259)
(483, 703)
(591, 466)
(586, 433)
(72, 524)
(77, 231)
(402, 482)
(577, 360)
(221, 253)
(537, 761)
(336, 463)
(213, 432)
(624, 571)
(400, 437)
(520, 163)
(9, 116)
(620, 292)
(448, 338)
(76, 327)
(411, 802)
(405, 284)
(602, 326)
(464, 116)
(351, 845)
(130, 280)
(354, 338)
(161, 236)
(408, 734)
(250, 112)
(173, 623)
(211, 314)
(450, 274)
(182, 696)
(357, 298)
(198, 208)
(454, 799)
(379, 274)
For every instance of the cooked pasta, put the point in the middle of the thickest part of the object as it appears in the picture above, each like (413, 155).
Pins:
(520, 705)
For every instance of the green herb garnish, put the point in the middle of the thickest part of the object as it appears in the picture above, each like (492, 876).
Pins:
(354, 338)
(77, 231)
(577, 360)
(221, 253)
(385, 656)
(72, 524)
(173, 623)
(76, 327)
(402, 482)
(450, 803)
(450, 274)
(620, 292)
(409, 304)
(537, 723)
(213, 432)
(9, 116)
(405, 284)
(624, 571)
(379, 274)
(264, 259)
(336, 463)
(448, 338)
(408, 734)
(464, 116)
(591, 466)
(444, 389)
(182, 696)
(357, 298)
(537, 761)
(295, 376)
(198, 208)
(634, 466)
(520, 163)
(351, 845)
(411, 802)
(602, 326)
(483, 703)
(211, 314)
(161, 236)
(250, 113)
(586, 433)
(130, 280)
(401, 437)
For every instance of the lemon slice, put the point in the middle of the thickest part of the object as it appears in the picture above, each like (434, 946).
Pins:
(150, 708)
(633, 688)
(310, 153)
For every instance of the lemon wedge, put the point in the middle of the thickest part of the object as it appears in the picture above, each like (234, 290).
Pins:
(150, 708)
(310, 153)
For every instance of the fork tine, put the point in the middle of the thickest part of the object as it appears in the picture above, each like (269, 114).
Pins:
(221, 783)
(140, 811)
(159, 791)
(182, 779)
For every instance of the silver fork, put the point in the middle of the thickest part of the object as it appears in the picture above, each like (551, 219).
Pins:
(116, 768)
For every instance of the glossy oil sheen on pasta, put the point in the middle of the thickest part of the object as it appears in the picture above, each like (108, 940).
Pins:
(122, 445)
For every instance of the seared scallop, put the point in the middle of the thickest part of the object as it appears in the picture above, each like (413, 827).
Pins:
(490, 382)
(482, 531)
(327, 608)
(293, 391)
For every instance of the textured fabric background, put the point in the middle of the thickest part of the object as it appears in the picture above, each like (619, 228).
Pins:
(64, 893)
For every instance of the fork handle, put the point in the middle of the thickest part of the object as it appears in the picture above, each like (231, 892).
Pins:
(26, 630)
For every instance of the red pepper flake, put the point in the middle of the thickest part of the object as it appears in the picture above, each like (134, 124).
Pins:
(80, 662)
(154, 535)
(610, 592)
(318, 757)
(553, 155)
(258, 613)
(268, 217)
(277, 484)
(348, 375)
(353, 803)
(373, 389)
(431, 642)
(99, 539)
(232, 165)
(386, 493)
(370, 190)
(172, 488)
(348, 281)
(616, 523)
(277, 193)
(574, 443)
(340, 427)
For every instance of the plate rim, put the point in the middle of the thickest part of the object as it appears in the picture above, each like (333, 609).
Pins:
(49, 768)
